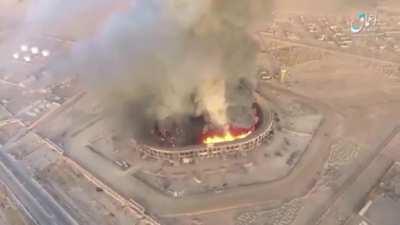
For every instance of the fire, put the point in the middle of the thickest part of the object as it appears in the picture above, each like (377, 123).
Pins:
(226, 135)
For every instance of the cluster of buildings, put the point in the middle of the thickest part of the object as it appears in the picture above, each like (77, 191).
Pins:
(382, 37)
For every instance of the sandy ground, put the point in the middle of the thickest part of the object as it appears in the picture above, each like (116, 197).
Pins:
(10, 213)
(88, 205)
(351, 86)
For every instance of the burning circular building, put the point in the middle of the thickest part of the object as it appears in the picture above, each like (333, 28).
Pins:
(181, 75)
(202, 136)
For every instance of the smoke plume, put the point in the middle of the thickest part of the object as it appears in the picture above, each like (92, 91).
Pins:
(165, 60)
(172, 60)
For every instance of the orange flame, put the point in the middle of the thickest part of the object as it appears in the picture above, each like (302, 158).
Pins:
(228, 135)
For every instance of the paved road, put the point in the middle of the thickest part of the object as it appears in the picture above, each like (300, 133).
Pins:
(358, 185)
(37, 202)
(330, 50)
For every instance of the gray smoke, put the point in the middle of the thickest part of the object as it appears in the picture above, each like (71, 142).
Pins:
(166, 60)
(169, 60)
(70, 19)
